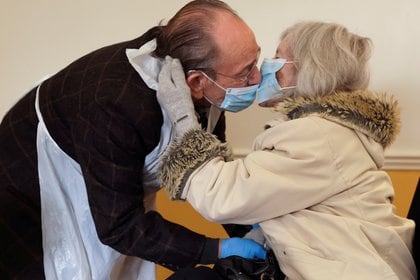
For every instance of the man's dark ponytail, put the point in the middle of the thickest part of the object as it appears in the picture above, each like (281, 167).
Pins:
(152, 33)
(156, 33)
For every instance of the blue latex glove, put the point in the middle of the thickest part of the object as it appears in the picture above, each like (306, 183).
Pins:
(242, 247)
(255, 226)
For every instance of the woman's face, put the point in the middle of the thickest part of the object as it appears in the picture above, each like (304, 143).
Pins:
(286, 76)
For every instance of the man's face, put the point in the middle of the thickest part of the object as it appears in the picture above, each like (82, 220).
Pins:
(238, 56)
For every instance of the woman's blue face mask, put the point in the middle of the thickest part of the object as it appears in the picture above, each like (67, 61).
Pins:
(269, 88)
(236, 99)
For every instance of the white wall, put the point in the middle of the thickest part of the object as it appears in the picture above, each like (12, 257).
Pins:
(40, 37)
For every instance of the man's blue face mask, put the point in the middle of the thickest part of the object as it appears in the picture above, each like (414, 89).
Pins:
(269, 88)
(236, 99)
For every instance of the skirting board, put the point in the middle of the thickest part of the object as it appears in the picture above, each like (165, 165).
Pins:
(394, 161)
(402, 162)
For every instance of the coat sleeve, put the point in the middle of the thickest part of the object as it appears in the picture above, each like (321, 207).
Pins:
(291, 172)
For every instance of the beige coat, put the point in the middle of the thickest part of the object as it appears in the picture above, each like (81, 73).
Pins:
(313, 183)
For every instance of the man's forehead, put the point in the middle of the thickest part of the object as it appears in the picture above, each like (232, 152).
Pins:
(239, 56)
(235, 40)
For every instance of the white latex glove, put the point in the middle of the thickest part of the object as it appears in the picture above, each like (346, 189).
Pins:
(174, 96)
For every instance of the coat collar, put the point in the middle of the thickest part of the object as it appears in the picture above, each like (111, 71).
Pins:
(376, 115)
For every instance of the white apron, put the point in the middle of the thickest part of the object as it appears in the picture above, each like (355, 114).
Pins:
(71, 246)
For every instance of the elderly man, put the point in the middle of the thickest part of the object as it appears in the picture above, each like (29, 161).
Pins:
(78, 153)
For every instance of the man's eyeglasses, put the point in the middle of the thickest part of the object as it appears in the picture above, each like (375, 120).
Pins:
(238, 80)
(244, 79)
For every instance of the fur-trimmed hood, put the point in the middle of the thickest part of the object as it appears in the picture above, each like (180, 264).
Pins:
(376, 115)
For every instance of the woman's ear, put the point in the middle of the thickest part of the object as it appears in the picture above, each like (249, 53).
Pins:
(195, 81)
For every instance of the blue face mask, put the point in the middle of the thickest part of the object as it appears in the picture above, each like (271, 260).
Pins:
(236, 99)
(269, 89)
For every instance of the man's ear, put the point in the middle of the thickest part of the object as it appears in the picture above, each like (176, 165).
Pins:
(196, 83)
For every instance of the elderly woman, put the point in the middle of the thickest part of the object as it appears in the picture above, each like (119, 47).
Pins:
(313, 181)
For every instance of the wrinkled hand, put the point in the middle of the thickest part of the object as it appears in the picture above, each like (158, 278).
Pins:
(174, 97)
(242, 247)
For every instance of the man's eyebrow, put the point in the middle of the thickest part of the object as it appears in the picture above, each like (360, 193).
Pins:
(250, 65)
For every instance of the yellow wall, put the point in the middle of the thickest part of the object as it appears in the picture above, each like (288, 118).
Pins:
(182, 213)
(405, 183)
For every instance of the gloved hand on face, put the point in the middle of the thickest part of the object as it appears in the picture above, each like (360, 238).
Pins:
(174, 96)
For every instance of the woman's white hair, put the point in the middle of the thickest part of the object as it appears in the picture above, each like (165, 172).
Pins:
(328, 58)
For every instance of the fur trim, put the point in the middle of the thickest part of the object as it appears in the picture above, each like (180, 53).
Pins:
(187, 154)
(376, 115)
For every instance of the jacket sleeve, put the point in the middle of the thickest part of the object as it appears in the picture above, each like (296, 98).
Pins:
(291, 172)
